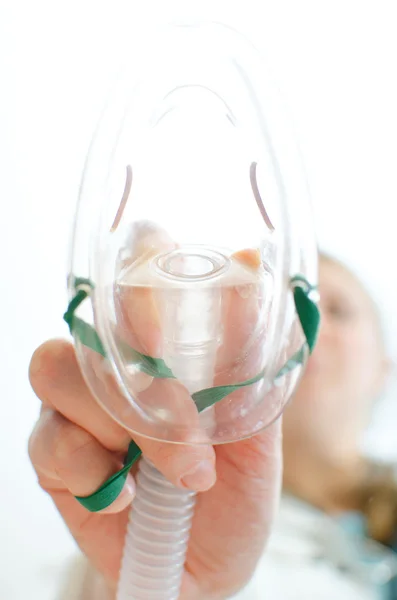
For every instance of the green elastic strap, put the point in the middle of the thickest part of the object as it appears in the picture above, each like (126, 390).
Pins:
(307, 309)
(309, 317)
(88, 336)
(110, 490)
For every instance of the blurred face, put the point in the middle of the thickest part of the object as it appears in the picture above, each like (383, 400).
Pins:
(346, 371)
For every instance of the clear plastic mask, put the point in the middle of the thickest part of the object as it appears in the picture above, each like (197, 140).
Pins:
(193, 217)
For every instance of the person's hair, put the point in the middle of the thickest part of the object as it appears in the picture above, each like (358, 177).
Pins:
(377, 501)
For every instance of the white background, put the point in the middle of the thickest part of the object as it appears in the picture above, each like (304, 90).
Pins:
(336, 64)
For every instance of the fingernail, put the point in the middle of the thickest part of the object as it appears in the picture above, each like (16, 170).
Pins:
(124, 499)
(249, 257)
(201, 478)
(147, 237)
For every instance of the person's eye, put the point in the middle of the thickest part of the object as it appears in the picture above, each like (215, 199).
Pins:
(339, 312)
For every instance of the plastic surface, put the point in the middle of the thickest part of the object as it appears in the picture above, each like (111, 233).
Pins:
(193, 216)
(157, 537)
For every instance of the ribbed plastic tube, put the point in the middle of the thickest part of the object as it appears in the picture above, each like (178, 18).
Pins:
(157, 538)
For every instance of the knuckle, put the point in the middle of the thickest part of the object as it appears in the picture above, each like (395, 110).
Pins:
(32, 447)
(38, 452)
(55, 441)
(39, 360)
(44, 361)
(49, 484)
(38, 438)
(68, 441)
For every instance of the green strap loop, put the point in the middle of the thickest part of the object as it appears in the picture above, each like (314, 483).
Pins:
(309, 317)
(110, 490)
(307, 309)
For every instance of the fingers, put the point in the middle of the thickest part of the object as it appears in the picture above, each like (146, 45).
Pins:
(241, 312)
(138, 320)
(161, 408)
(69, 462)
(190, 467)
(167, 403)
(240, 508)
(183, 463)
(56, 379)
(145, 239)
(66, 457)
(249, 482)
(242, 355)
